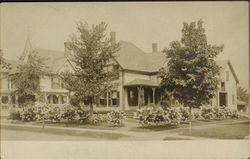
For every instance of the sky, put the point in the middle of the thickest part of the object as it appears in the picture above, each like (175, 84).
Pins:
(49, 25)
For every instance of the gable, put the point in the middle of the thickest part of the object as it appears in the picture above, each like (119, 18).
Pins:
(227, 66)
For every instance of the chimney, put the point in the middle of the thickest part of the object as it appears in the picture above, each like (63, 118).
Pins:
(112, 36)
(66, 47)
(154, 47)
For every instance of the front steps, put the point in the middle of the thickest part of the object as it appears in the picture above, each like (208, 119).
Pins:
(130, 114)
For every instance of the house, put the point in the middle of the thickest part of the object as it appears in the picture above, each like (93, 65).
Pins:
(138, 81)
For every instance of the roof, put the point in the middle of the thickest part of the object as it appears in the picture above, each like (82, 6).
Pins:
(130, 57)
(239, 102)
(142, 82)
(223, 64)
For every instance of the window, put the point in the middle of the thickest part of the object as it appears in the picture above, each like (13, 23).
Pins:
(223, 87)
(5, 99)
(55, 83)
(55, 99)
(227, 75)
(13, 100)
(233, 100)
(103, 100)
(114, 98)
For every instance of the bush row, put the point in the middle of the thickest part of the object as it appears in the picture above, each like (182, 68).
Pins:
(174, 116)
(69, 113)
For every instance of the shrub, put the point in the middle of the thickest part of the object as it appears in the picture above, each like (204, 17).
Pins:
(151, 116)
(207, 112)
(173, 116)
(28, 114)
(98, 119)
(184, 112)
(54, 114)
(116, 118)
(196, 115)
(15, 115)
(82, 116)
(69, 112)
(234, 114)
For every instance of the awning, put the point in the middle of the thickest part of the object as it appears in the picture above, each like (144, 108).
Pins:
(142, 82)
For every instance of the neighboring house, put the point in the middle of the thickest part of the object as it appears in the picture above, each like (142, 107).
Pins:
(227, 93)
(138, 81)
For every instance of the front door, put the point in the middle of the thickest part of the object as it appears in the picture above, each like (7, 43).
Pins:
(223, 99)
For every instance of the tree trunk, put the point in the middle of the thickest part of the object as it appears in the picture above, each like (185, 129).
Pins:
(190, 118)
(91, 110)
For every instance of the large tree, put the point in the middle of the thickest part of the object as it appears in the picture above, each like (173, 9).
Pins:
(191, 74)
(242, 94)
(92, 52)
(26, 78)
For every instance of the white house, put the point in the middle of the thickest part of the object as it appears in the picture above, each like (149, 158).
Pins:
(138, 82)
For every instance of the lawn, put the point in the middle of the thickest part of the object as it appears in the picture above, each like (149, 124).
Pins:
(72, 125)
(224, 131)
(171, 128)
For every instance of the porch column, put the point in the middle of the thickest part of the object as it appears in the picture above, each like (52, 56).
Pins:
(153, 89)
(139, 96)
(125, 98)
(107, 99)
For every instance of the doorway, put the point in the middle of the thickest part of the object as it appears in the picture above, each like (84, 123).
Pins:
(223, 99)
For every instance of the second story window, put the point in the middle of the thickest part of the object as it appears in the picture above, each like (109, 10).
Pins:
(223, 87)
(55, 83)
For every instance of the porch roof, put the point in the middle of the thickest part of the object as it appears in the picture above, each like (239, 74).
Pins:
(142, 82)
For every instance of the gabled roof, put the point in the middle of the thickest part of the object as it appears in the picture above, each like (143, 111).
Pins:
(130, 57)
(223, 64)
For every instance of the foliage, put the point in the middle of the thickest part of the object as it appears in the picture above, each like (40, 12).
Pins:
(15, 115)
(28, 114)
(69, 112)
(184, 112)
(242, 94)
(3, 63)
(151, 116)
(116, 118)
(196, 115)
(27, 78)
(92, 52)
(97, 119)
(209, 112)
(191, 74)
(174, 117)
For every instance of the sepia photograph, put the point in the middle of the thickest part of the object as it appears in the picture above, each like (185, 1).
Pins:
(129, 76)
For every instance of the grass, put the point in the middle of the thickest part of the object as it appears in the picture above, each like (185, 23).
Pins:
(70, 124)
(90, 134)
(225, 131)
(153, 128)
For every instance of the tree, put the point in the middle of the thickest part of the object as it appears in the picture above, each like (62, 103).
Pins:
(242, 94)
(191, 74)
(26, 79)
(3, 62)
(92, 52)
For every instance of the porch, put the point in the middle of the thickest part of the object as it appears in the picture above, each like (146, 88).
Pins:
(139, 93)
